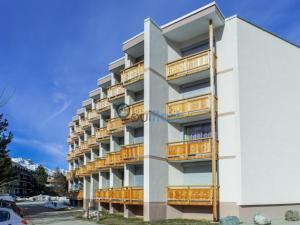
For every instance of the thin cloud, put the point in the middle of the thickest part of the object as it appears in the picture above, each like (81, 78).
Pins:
(58, 98)
(49, 148)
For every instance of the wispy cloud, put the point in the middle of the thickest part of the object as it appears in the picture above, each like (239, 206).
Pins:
(49, 148)
(63, 101)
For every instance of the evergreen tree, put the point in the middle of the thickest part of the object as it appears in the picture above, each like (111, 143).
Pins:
(7, 173)
(60, 184)
(40, 178)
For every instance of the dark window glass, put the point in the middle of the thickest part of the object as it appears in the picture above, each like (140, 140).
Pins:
(4, 216)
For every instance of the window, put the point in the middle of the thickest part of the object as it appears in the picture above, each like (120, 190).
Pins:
(197, 131)
(195, 48)
(4, 216)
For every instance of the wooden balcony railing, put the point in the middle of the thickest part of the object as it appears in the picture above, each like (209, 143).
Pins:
(113, 159)
(93, 115)
(124, 195)
(78, 130)
(133, 74)
(188, 65)
(92, 141)
(84, 146)
(85, 123)
(102, 134)
(70, 175)
(76, 195)
(100, 163)
(73, 135)
(188, 107)
(136, 112)
(71, 155)
(102, 105)
(115, 92)
(190, 195)
(132, 153)
(82, 171)
(114, 125)
(103, 195)
(91, 167)
(78, 151)
(187, 150)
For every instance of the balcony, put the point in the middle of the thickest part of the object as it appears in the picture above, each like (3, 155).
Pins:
(82, 171)
(76, 195)
(115, 92)
(115, 125)
(71, 155)
(132, 75)
(71, 174)
(189, 150)
(136, 113)
(84, 146)
(92, 141)
(132, 153)
(113, 159)
(102, 105)
(102, 134)
(188, 69)
(124, 195)
(91, 167)
(190, 195)
(78, 130)
(78, 151)
(85, 123)
(69, 140)
(100, 163)
(93, 115)
(189, 110)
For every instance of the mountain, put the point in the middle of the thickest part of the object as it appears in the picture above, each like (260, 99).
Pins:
(29, 164)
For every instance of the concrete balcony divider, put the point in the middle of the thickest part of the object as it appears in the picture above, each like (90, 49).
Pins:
(190, 195)
(188, 65)
(133, 74)
(115, 92)
(189, 150)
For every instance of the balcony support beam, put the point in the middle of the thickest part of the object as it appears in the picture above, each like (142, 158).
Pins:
(213, 119)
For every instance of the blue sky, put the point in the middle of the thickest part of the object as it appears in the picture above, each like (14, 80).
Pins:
(53, 51)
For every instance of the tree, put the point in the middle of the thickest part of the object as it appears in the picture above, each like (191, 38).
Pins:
(7, 172)
(59, 183)
(40, 177)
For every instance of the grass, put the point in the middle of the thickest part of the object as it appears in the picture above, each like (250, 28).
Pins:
(120, 220)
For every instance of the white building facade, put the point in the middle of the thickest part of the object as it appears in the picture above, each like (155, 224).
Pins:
(209, 128)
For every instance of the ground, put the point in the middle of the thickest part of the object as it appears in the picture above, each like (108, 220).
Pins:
(36, 214)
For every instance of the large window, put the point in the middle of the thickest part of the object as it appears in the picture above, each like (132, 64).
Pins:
(197, 131)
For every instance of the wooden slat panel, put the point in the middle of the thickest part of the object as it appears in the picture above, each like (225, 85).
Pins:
(188, 107)
(115, 92)
(102, 105)
(132, 153)
(114, 125)
(190, 195)
(195, 149)
(133, 73)
(188, 65)
(102, 134)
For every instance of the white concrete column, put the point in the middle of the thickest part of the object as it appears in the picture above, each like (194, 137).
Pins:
(155, 165)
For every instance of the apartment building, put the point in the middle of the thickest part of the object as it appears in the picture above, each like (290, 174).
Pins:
(199, 119)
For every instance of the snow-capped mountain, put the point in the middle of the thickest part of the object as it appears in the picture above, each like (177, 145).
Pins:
(29, 164)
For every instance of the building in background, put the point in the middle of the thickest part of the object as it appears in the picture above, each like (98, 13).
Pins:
(220, 133)
(23, 186)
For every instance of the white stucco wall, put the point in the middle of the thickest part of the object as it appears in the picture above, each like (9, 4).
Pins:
(269, 117)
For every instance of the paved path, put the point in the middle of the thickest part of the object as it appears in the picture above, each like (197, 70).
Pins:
(36, 214)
